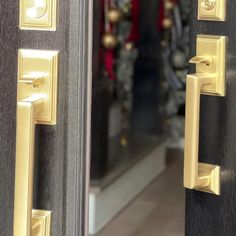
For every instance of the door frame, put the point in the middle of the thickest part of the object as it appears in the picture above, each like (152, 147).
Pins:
(79, 120)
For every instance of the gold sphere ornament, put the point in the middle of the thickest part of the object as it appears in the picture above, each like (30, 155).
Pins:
(167, 23)
(115, 15)
(169, 5)
(109, 41)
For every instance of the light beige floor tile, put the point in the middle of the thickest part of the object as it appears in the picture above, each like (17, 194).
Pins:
(158, 211)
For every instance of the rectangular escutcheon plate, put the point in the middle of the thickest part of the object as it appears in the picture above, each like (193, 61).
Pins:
(37, 75)
(212, 10)
(214, 46)
(38, 15)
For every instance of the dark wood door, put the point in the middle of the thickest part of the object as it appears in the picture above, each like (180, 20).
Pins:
(62, 151)
(208, 214)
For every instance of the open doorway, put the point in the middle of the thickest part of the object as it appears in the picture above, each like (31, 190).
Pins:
(140, 55)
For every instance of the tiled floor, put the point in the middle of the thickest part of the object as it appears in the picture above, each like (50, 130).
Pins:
(159, 210)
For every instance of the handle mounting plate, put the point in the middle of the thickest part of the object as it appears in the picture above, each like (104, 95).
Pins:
(46, 63)
(214, 46)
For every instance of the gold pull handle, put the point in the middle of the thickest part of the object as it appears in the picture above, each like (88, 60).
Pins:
(36, 104)
(194, 175)
(209, 80)
(27, 111)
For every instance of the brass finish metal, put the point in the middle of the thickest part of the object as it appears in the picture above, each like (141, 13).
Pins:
(211, 58)
(36, 79)
(35, 105)
(208, 5)
(210, 80)
(38, 15)
(39, 68)
(202, 59)
(212, 10)
(41, 223)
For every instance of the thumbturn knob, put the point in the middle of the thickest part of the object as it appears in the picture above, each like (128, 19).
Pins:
(37, 9)
(208, 4)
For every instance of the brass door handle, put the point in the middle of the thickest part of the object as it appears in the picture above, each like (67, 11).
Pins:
(209, 80)
(36, 104)
(27, 111)
(194, 175)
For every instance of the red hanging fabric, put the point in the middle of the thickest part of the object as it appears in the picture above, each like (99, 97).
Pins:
(161, 16)
(109, 63)
(135, 9)
(106, 56)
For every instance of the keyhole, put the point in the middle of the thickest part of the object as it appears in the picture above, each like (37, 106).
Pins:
(37, 8)
(208, 4)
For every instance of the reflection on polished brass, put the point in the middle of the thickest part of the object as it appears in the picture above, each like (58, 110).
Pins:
(208, 5)
(212, 10)
(36, 104)
(38, 14)
(201, 59)
(210, 80)
(34, 78)
(41, 223)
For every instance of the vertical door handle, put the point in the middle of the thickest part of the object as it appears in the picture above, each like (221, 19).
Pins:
(194, 175)
(27, 111)
(36, 104)
(209, 80)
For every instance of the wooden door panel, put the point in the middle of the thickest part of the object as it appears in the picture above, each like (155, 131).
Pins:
(206, 214)
(63, 150)
(8, 47)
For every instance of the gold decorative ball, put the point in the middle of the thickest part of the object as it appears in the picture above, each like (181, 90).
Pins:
(169, 5)
(167, 23)
(109, 41)
(115, 15)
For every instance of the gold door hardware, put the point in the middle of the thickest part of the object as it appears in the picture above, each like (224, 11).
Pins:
(212, 10)
(34, 78)
(36, 104)
(38, 15)
(209, 80)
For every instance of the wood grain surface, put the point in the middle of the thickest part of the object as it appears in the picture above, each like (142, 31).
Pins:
(62, 150)
(209, 215)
